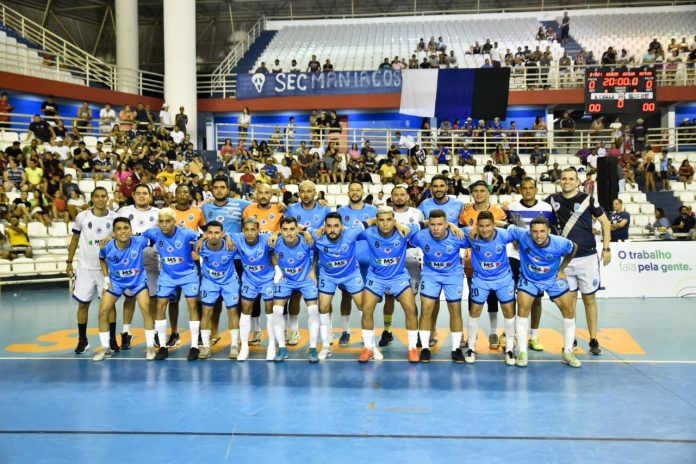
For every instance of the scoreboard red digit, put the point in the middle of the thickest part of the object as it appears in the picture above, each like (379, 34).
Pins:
(611, 90)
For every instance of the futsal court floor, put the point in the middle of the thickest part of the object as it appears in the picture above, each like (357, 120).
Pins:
(635, 403)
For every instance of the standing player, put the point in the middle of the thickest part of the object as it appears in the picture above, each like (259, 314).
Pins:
(267, 214)
(404, 214)
(219, 279)
(387, 275)
(521, 213)
(353, 215)
(574, 212)
(122, 266)
(257, 280)
(310, 215)
(492, 274)
(542, 271)
(442, 271)
(338, 267)
(294, 255)
(143, 216)
(175, 246)
(452, 208)
(481, 196)
(90, 228)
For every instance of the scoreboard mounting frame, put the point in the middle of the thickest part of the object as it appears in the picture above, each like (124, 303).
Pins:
(619, 90)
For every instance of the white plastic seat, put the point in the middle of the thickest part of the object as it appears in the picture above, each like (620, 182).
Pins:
(37, 229)
(23, 266)
(58, 229)
(87, 185)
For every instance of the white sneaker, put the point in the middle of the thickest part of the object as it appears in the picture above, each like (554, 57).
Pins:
(105, 353)
(377, 355)
(470, 356)
(294, 338)
(234, 351)
(150, 353)
(243, 353)
(324, 353)
(509, 358)
(270, 353)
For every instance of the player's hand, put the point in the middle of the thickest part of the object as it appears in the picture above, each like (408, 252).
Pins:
(319, 232)
(473, 234)
(372, 221)
(606, 258)
(561, 275)
(456, 231)
(69, 270)
(505, 205)
(199, 244)
(282, 207)
(402, 229)
(105, 242)
(308, 238)
(273, 239)
(107, 282)
(230, 243)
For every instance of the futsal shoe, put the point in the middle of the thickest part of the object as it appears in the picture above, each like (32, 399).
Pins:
(535, 344)
(457, 356)
(255, 338)
(521, 359)
(365, 355)
(424, 355)
(281, 355)
(509, 358)
(502, 340)
(126, 340)
(82, 346)
(313, 355)
(294, 338)
(204, 352)
(270, 353)
(213, 340)
(571, 360)
(493, 341)
(193, 354)
(595, 349)
(470, 356)
(377, 355)
(386, 338)
(324, 353)
(243, 354)
(413, 356)
(433, 339)
(344, 340)
(162, 353)
(150, 353)
(113, 345)
(174, 340)
(105, 353)
(234, 352)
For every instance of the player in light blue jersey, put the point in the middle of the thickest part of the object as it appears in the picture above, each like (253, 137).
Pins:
(542, 271)
(219, 279)
(121, 263)
(387, 243)
(442, 271)
(440, 200)
(353, 215)
(338, 268)
(257, 280)
(491, 273)
(294, 256)
(175, 245)
(310, 215)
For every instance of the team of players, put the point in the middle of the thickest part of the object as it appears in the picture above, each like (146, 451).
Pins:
(313, 252)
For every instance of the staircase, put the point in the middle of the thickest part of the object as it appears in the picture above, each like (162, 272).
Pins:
(248, 61)
(571, 46)
(667, 201)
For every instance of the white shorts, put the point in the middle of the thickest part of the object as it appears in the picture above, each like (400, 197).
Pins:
(88, 281)
(583, 274)
(414, 273)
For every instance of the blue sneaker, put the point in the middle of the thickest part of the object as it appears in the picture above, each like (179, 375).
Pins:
(345, 339)
(281, 355)
(313, 355)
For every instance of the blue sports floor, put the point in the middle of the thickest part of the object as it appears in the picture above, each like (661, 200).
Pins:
(635, 403)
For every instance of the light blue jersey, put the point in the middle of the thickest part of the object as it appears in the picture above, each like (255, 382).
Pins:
(295, 262)
(353, 219)
(219, 276)
(540, 264)
(489, 259)
(310, 218)
(229, 214)
(387, 254)
(126, 268)
(441, 258)
(175, 251)
(337, 259)
(452, 207)
(256, 260)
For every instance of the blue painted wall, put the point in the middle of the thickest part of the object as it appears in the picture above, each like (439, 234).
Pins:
(685, 110)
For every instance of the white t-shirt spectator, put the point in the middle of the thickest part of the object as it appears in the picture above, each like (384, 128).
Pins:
(592, 160)
(107, 118)
(165, 118)
(317, 150)
(284, 172)
(406, 141)
(601, 152)
(177, 135)
(178, 165)
(63, 152)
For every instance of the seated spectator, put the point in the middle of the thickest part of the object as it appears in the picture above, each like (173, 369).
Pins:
(21, 207)
(466, 156)
(686, 172)
(13, 176)
(39, 129)
(513, 181)
(247, 181)
(685, 222)
(413, 62)
(554, 173)
(370, 162)
(294, 67)
(18, 239)
(537, 156)
(499, 155)
(591, 160)
(661, 225)
(387, 172)
(323, 173)
(327, 67)
(385, 65)
(497, 183)
(262, 69)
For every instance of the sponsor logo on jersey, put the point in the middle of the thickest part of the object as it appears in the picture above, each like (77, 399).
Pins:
(292, 270)
(487, 254)
(170, 249)
(389, 261)
(128, 272)
(172, 260)
(256, 268)
(438, 254)
(538, 269)
(216, 274)
(490, 265)
(387, 250)
(126, 262)
(439, 264)
(336, 264)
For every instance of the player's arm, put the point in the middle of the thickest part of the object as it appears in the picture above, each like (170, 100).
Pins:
(308, 238)
(313, 271)
(105, 272)
(566, 260)
(72, 248)
(273, 239)
(606, 239)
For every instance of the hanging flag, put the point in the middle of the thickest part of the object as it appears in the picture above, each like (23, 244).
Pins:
(455, 93)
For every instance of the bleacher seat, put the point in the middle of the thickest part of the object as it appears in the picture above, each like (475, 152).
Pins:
(37, 229)
(45, 265)
(23, 266)
(58, 229)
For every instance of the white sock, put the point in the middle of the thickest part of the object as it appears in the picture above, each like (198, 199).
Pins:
(324, 320)
(568, 334)
(234, 337)
(205, 336)
(424, 336)
(313, 311)
(244, 329)
(472, 331)
(256, 324)
(534, 333)
(195, 328)
(368, 338)
(104, 339)
(269, 329)
(295, 322)
(279, 325)
(345, 323)
(456, 340)
(286, 319)
(412, 336)
(149, 338)
(521, 326)
(493, 317)
(161, 328)
(126, 328)
(509, 334)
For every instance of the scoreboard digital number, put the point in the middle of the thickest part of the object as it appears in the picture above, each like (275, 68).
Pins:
(620, 90)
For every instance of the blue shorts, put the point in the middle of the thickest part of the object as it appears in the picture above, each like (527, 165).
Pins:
(167, 287)
(554, 288)
(128, 290)
(284, 288)
(352, 283)
(211, 291)
(504, 289)
(250, 290)
(395, 286)
(431, 288)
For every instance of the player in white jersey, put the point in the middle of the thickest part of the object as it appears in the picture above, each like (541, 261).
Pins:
(406, 215)
(90, 228)
(521, 213)
(142, 216)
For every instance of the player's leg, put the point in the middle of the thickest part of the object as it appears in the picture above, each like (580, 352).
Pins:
(346, 307)
(112, 331)
(215, 323)
(588, 282)
(206, 322)
(325, 302)
(408, 302)
(564, 303)
(456, 327)
(85, 286)
(161, 321)
(313, 324)
(144, 302)
(194, 323)
(256, 322)
(524, 307)
(293, 332)
(505, 293)
(106, 306)
(246, 306)
(367, 324)
(492, 302)
(388, 309)
(534, 342)
(472, 328)
(590, 302)
(279, 324)
(425, 321)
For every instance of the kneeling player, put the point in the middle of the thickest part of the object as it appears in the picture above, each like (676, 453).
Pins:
(219, 279)
(294, 255)
(543, 271)
(122, 265)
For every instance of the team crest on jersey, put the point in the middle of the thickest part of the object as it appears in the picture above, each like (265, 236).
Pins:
(99, 230)
(527, 251)
(291, 261)
(397, 243)
(133, 254)
(478, 248)
(595, 282)
(271, 216)
(450, 249)
(315, 218)
(230, 211)
(555, 205)
(152, 218)
(459, 290)
(263, 222)
(488, 254)
(130, 217)
(387, 250)
(549, 257)
(206, 259)
(141, 222)
(438, 254)
(170, 249)
(471, 221)
(347, 218)
(259, 253)
(326, 249)
(300, 256)
(89, 225)
(190, 217)
(108, 226)
(178, 245)
(576, 207)
(344, 247)
(126, 261)
(427, 248)
(115, 259)
(280, 255)
(216, 264)
(499, 249)
(210, 214)
(298, 218)
(252, 259)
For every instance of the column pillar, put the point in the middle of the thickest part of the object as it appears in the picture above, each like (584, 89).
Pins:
(127, 53)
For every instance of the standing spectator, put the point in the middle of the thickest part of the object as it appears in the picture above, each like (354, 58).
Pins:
(165, 117)
(620, 220)
(565, 28)
(5, 110)
(639, 136)
(328, 67)
(567, 125)
(181, 120)
(84, 117)
(314, 65)
(244, 121)
(126, 118)
(49, 108)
